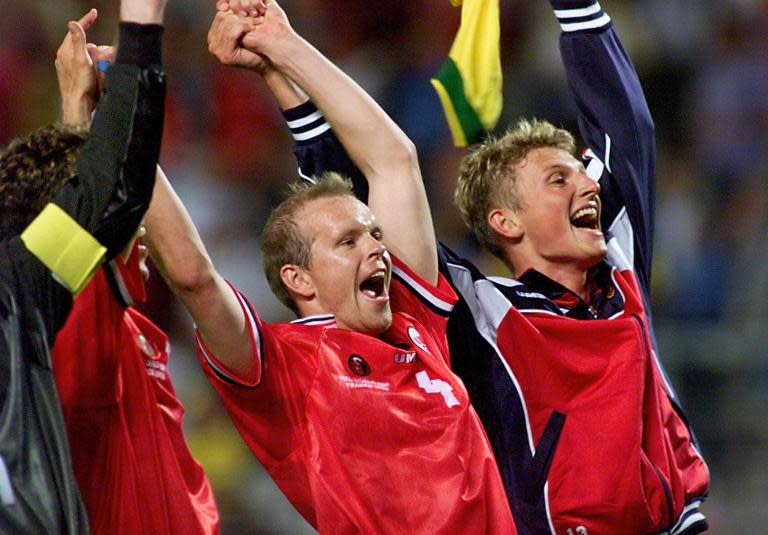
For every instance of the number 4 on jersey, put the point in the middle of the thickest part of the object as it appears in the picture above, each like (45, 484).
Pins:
(437, 386)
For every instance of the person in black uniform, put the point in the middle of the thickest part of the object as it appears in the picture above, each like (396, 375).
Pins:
(69, 200)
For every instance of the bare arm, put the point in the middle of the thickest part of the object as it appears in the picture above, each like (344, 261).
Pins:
(180, 255)
(225, 42)
(375, 143)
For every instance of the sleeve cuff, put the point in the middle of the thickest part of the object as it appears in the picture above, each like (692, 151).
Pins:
(580, 15)
(305, 122)
(300, 111)
(140, 44)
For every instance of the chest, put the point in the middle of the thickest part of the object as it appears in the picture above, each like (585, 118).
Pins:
(370, 389)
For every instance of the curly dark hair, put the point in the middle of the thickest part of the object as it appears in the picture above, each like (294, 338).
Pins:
(32, 169)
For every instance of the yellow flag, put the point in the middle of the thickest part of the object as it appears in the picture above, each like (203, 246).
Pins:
(469, 82)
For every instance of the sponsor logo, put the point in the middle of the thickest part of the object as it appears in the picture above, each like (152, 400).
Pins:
(415, 337)
(358, 365)
(405, 358)
(359, 382)
(156, 369)
(531, 295)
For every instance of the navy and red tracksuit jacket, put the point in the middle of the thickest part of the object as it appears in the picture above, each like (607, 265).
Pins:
(588, 433)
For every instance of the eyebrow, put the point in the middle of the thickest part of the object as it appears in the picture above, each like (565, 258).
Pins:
(559, 166)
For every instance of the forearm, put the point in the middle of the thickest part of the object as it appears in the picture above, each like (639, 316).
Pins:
(174, 243)
(374, 142)
(287, 94)
(179, 253)
(75, 111)
(380, 149)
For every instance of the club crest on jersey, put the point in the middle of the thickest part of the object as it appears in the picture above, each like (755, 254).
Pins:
(407, 357)
(358, 365)
(415, 337)
(145, 345)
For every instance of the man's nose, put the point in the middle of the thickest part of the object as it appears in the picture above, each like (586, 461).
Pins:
(587, 186)
(376, 247)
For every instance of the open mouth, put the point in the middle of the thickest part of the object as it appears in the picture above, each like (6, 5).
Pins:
(587, 218)
(375, 286)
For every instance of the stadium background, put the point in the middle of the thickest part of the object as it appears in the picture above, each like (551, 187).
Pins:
(704, 66)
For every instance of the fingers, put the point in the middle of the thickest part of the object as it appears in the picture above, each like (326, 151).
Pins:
(224, 40)
(244, 8)
(102, 58)
(88, 19)
(101, 53)
(76, 34)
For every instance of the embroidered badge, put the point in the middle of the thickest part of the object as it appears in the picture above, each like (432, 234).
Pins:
(145, 345)
(358, 365)
(415, 337)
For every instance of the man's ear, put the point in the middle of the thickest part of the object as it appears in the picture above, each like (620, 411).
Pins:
(298, 281)
(506, 223)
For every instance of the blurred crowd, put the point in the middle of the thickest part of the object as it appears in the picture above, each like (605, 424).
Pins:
(704, 66)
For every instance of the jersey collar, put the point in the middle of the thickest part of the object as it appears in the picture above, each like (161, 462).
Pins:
(604, 298)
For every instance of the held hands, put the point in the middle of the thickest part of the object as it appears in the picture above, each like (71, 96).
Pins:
(80, 80)
(249, 33)
(225, 41)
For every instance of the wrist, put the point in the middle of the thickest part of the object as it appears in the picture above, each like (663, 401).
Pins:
(138, 12)
(76, 113)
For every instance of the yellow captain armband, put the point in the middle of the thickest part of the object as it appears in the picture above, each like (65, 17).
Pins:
(63, 246)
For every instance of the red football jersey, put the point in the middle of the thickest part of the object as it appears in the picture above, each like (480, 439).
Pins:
(134, 469)
(368, 434)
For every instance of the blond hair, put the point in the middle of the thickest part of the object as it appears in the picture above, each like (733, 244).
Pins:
(282, 242)
(487, 175)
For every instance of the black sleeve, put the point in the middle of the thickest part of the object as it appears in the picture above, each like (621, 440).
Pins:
(116, 168)
(115, 173)
(318, 150)
(615, 123)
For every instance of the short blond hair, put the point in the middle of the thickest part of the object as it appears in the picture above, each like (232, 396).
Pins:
(487, 175)
(282, 242)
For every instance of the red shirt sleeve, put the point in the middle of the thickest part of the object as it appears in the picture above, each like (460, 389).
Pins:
(429, 304)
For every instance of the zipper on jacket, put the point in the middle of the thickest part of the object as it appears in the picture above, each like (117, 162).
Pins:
(667, 490)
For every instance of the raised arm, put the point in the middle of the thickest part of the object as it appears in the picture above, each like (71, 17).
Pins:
(96, 215)
(616, 124)
(117, 164)
(378, 147)
(317, 148)
(181, 257)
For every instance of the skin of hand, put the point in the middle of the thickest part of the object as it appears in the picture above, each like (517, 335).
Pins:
(142, 11)
(78, 81)
(81, 82)
(243, 8)
(225, 41)
(269, 34)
